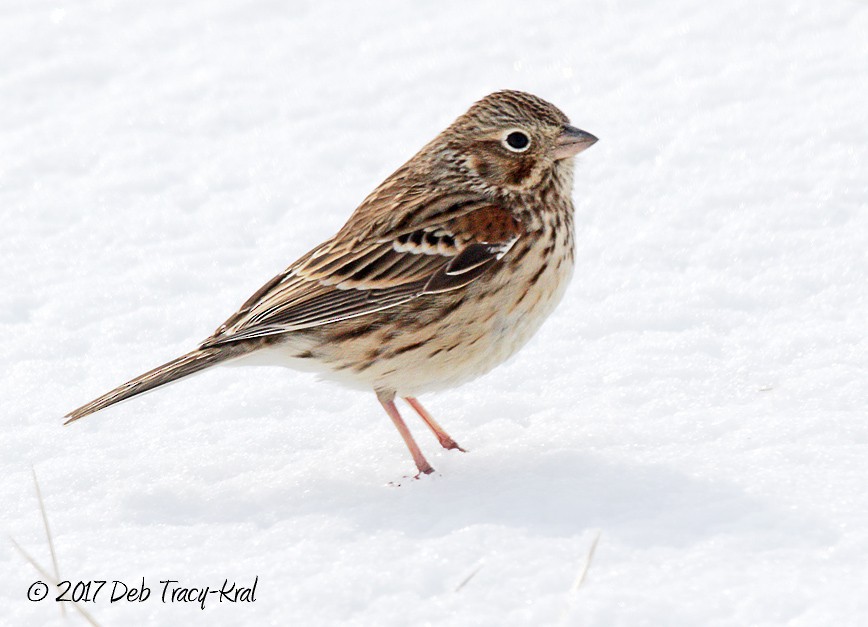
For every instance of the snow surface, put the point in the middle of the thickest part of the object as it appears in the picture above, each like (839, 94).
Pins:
(699, 398)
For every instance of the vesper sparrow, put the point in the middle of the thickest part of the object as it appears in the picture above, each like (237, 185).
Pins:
(441, 274)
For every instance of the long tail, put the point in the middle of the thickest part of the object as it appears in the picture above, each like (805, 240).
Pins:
(188, 364)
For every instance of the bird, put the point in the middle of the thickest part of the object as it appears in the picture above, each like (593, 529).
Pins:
(442, 273)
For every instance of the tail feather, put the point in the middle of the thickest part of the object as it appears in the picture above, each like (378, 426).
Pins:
(183, 366)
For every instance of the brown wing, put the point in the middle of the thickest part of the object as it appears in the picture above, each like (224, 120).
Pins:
(344, 278)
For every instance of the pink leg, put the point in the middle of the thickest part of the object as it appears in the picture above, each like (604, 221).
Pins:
(421, 463)
(445, 439)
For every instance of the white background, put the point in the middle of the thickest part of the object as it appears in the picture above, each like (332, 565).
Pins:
(698, 399)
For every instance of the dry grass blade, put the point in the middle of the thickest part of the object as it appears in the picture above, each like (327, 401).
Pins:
(584, 572)
(53, 579)
(580, 578)
(467, 579)
(49, 577)
(47, 533)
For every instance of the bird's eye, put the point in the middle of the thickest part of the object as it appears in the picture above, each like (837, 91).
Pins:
(516, 141)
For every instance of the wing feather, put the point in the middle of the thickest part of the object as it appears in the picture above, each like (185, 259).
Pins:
(345, 278)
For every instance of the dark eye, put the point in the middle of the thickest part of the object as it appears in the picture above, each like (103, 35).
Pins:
(517, 141)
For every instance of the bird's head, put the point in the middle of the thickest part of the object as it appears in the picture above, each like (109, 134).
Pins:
(512, 141)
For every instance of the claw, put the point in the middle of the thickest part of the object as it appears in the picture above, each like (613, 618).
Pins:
(444, 438)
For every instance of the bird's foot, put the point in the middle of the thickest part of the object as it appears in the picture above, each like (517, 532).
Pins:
(424, 470)
(450, 444)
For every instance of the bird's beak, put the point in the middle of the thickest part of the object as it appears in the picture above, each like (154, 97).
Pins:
(572, 141)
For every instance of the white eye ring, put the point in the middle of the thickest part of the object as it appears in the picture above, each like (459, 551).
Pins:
(516, 140)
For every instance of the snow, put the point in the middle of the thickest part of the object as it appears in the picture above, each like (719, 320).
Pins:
(698, 399)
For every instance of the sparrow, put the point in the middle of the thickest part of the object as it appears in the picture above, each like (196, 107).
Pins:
(443, 272)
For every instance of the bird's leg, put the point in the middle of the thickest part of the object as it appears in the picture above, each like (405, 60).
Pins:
(444, 438)
(388, 403)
